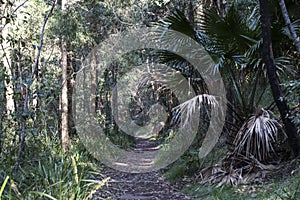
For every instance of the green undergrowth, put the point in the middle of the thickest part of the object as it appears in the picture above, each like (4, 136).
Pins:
(53, 175)
(189, 164)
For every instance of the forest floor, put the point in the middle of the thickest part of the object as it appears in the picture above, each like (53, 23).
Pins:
(131, 186)
(153, 185)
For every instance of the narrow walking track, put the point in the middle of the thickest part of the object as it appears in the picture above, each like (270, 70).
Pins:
(131, 186)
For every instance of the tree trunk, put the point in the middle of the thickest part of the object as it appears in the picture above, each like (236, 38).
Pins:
(93, 82)
(64, 99)
(277, 92)
(71, 69)
(114, 99)
(64, 91)
(8, 78)
(6, 59)
(290, 25)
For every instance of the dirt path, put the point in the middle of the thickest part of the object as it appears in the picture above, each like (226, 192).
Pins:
(130, 186)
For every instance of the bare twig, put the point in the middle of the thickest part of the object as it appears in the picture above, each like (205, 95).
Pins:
(19, 6)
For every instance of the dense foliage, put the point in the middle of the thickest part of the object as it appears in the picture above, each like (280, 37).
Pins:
(43, 44)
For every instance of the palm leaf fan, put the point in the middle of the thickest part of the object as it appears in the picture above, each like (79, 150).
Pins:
(257, 136)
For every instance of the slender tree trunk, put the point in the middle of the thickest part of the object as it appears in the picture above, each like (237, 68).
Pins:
(290, 25)
(71, 69)
(64, 99)
(93, 82)
(273, 78)
(64, 91)
(114, 99)
(6, 59)
(107, 102)
(84, 71)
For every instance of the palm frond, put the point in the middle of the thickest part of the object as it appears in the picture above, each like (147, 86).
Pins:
(285, 30)
(228, 33)
(253, 20)
(178, 22)
(257, 136)
(284, 65)
(255, 48)
(162, 79)
(185, 111)
(235, 169)
(175, 62)
(238, 94)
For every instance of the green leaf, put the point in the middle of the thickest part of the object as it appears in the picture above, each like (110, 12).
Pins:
(3, 186)
(43, 194)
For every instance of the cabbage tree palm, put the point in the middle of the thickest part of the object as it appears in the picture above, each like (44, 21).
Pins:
(227, 40)
(235, 43)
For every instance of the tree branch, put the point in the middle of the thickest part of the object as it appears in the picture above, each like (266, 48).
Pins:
(15, 10)
(290, 25)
